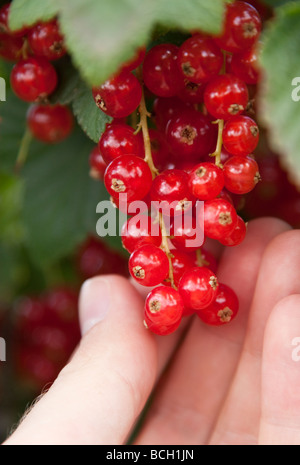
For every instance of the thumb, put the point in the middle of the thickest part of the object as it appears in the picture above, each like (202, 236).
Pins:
(99, 394)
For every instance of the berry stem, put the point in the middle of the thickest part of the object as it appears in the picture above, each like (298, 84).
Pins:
(23, 151)
(217, 152)
(200, 259)
(166, 248)
(143, 125)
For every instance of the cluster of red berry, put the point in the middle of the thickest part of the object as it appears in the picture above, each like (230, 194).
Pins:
(34, 78)
(201, 103)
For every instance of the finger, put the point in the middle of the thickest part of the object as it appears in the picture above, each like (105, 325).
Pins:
(278, 278)
(188, 402)
(280, 422)
(100, 393)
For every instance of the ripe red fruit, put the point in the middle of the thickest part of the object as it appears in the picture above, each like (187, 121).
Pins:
(97, 164)
(181, 262)
(241, 174)
(4, 25)
(159, 149)
(160, 70)
(165, 109)
(170, 190)
(191, 92)
(33, 79)
(149, 265)
(29, 313)
(220, 219)
(163, 310)
(11, 47)
(119, 139)
(119, 96)
(238, 234)
(198, 288)
(62, 305)
(186, 234)
(199, 59)
(241, 29)
(223, 310)
(45, 39)
(226, 96)
(205, 258)
(95, 259)
(240, 135)
(206, 181)
(191, 135)
(136, 60)
(128, 175)
(140, 230)
(245, 66)
(50, 123)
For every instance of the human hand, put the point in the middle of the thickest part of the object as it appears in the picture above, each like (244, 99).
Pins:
(235, 384)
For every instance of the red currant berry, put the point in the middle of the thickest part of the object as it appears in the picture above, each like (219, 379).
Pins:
(136, 60)
(119, 96)
(94, 258)
(29, 313)
(185, 234)
(199, 59)
(220, 219)
(50, 123)
(238, 234)
(191, 92)
(163, 310)
(203, 257)
(206, 181)
(140, 230)
(33, 79)
(52, 342)
(226, 96)
(34, 368)
(165, 109)
(240, 135)
(170, 190)
(223, 310)
(97, 164)
(159, 149)
(11, 47)
(149, 265)
(242, 27)
(119, 139)
(245, 66)
(62, 305)
(128, 175)
(4, 26)
(191, 135)
(181, 262)
(160, 70)
(241, 174)
(45, 39)
(198, 288)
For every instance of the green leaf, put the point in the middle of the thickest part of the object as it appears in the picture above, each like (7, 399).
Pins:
(102, 35)
(69, 82)
(28, 12)
(11, 194)
(60, 198)
(89, 116)
(12, 117)
(277, 109)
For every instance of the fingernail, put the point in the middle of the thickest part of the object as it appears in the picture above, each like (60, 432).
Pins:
(94, 303)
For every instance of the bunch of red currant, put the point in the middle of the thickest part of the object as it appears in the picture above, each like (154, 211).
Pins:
(201, 106)
(34, 78)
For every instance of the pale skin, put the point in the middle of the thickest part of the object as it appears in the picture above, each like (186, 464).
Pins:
(232, 385)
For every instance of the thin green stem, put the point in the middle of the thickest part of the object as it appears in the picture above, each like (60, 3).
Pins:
(23, 150)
